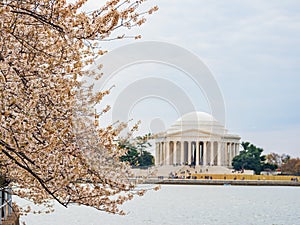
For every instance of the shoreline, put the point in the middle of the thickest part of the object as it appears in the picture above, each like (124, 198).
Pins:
(222, 182)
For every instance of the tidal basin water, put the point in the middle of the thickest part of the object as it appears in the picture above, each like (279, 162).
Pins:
(190, 205)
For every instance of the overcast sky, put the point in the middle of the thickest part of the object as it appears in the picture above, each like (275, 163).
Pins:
(252, 48)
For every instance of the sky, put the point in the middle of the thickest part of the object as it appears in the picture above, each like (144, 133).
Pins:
(252, 50)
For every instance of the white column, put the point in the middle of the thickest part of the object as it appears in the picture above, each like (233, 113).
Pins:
(230, 154)
(163, 156)
(163, 153)
(160, 147)
(237, 152)
(212, 153)
(156, 154)
(160, 153)
(197, 154)
(189, 153)
(167, 153)
(204, 154)
(225, 153)
(219, 154)
(182, 152)
(171, 153)
(175, 153)
(233, 152)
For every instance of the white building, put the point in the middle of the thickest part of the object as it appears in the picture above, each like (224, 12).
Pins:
(196, 139)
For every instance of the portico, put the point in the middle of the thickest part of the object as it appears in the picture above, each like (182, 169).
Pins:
(196, 139)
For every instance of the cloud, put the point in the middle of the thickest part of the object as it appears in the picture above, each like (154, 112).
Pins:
(253, 49)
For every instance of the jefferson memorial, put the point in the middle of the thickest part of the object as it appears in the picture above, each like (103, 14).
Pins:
(196, 139)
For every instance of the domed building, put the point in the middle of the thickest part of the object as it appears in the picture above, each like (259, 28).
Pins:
(196, 138)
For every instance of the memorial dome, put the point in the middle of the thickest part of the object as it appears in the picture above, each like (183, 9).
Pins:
(196, 117)
(196, 121)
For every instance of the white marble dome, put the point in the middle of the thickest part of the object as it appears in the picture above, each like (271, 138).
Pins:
(200, 121)
(196, 116)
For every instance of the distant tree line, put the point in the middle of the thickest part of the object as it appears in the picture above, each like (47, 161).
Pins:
(251, 158)
(287, 165)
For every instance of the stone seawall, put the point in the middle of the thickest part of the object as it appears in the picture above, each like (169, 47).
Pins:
(223, 182)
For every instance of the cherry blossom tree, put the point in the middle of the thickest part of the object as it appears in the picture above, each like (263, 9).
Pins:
(48, 149)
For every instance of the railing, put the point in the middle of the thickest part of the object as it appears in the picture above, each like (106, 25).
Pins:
(5, 203)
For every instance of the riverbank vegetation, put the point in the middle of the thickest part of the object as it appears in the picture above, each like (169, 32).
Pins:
(251, 158)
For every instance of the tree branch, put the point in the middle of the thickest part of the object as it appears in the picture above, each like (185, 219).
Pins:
(34, 175)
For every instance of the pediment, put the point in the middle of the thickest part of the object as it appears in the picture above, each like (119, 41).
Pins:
(190, 133)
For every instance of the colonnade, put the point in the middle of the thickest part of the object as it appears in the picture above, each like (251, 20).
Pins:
(196, 153)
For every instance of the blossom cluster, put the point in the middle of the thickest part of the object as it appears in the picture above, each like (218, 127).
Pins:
(51, 145)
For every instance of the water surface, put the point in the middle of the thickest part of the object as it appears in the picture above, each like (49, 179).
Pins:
(191, 205)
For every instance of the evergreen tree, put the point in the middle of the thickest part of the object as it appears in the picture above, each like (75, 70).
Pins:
(249, 158)
(136, 153)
